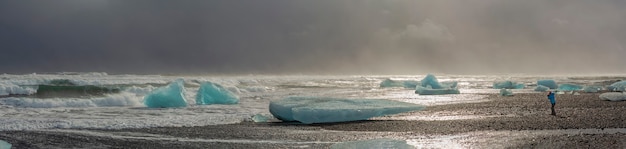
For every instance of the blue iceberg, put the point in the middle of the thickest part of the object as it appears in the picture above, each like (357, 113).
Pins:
(592, 89)
(617, 86)
(211, 93)
(310, 110)
(542, 88)
(373, 143)
(399, 83)
(505, 92)
(168, 96)
(613, 96)
(569, 87)
(4, 145)
(507, 85)
(548, 83)
(430, 86)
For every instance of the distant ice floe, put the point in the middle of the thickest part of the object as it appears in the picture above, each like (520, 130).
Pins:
(617, 86)
(541, 88)
(613, 96)
(431, 86)
(548, 83)
(507, 85)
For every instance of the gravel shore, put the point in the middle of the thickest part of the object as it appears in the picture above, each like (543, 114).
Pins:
(521, 121)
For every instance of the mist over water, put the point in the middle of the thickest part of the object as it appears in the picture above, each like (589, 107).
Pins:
(314, 37)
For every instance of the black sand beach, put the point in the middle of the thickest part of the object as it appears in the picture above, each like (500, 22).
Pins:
(519, 121)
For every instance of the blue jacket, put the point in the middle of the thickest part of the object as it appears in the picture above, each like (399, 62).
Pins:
(551, 97)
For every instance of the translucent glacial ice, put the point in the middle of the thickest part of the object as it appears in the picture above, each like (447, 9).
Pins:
(211, 93)
(373, 143)
(617, 86)
(431, 86)
(569, 87)
(168, 96)
(399, 83)
(507, 85)
(310, 110)
(505, 92)
(4, 145)
(548, 83)
(541, 88)
(592, 89)
(613, 96)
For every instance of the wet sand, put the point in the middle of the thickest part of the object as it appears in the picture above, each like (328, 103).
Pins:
(519, 121)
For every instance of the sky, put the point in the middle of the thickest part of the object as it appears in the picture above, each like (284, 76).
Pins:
(313, 36)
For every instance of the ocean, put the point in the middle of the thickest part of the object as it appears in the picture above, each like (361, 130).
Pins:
(106, 101)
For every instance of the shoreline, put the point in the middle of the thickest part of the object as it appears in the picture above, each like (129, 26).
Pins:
(524, 119)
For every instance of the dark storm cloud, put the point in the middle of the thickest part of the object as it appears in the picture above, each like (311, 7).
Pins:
(322, 36)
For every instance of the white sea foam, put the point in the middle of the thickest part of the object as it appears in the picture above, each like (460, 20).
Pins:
(123, 99)
(7, 88)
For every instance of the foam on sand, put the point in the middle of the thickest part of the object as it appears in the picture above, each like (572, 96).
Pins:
(373, 143)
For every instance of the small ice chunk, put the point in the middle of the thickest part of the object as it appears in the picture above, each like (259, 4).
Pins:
(613, 96)
(507, 85)
(259, 118)
(576, 93)
(373, 143)
(592, 89)
(430, 91)
(548, 83)
(4, 145)
(505, 92)
(542, 88)
(617, 86)
(569, 87)
(310, 110)
(399, 83)
(211, 93)
(168, 96)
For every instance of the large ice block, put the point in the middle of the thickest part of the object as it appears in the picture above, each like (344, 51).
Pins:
(617, 86)
(431, 80)
(4, 145)
(327, 110)
(211, 93)
(373, 143)
(410, 84)
(168, 96)
(569, 87)
(507, 85)
(548, 83)
(613, 96)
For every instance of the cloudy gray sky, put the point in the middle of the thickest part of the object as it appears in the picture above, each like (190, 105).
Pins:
(313, 36)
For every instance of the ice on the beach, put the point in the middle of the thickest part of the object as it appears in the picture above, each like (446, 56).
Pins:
(592, 89)
(310, 110)
(399, 83)
(613, 96)
(259, 118)
(430, 91)
(4, 145)
(548, 83)
(507, 85)
(373, 143)
(617, 86)
(569, 87)
(431, 86)
(211, 93)
(505, 92)
(168, 96)
(541, 88)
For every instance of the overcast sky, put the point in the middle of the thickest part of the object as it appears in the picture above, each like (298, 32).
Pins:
(313, 36)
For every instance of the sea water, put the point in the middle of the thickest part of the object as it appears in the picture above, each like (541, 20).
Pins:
(104, 101)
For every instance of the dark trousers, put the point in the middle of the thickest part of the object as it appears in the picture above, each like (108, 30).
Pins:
(553, 112)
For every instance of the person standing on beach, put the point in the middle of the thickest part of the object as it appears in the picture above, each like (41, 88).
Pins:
(552, 99)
